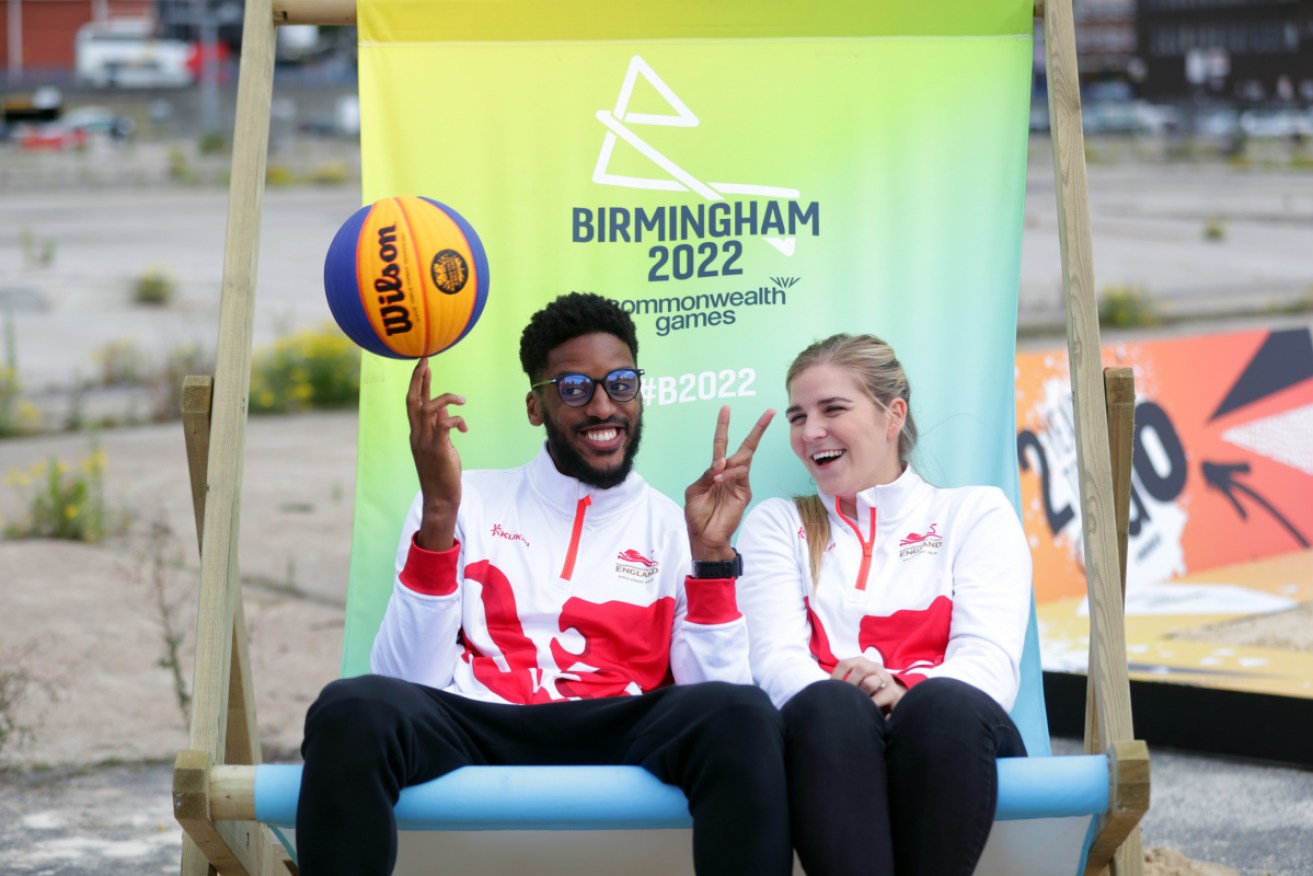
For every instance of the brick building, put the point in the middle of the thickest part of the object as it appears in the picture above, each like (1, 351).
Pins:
(37, 36)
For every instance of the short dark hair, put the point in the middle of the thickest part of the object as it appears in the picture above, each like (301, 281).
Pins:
(568, 317)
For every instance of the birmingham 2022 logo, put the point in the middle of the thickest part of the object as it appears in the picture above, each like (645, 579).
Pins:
(689, 240)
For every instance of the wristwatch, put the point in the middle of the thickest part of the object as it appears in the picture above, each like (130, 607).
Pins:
(719, 568)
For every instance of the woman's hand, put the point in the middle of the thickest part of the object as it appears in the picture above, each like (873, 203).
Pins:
(436, 461)
(872, 679)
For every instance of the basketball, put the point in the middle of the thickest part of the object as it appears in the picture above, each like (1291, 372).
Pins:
(406, 277)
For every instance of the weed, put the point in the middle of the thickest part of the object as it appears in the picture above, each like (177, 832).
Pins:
(314, 368)
(15, 683)
(122, 363)
(17, 415)
(36, 254)
(1214, 229)
(276, 175)
(61, 502)
(77, 404)
(210, 143)
(166, 384)
(155, 287)
(1126, 307)
(160, 561)
(1300, 304)
(330, 173)
(179, 169)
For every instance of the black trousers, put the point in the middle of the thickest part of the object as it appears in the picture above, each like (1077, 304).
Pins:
(366, 738)
(911, 795)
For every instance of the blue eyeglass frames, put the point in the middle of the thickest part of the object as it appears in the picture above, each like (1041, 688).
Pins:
(576, 390)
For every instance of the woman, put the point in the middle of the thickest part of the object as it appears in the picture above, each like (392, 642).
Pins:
(886, 618)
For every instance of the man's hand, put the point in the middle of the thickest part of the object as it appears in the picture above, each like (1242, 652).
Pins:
(436, 461)
(714, 503)
(871, 679)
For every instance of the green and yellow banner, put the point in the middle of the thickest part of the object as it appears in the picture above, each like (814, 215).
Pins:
(744, 178)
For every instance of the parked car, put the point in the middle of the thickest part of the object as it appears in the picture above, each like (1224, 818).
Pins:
(99, 120)
(51, 137)
(1288, 124)
(125, 53)
(1217, 123)
(1128, 117)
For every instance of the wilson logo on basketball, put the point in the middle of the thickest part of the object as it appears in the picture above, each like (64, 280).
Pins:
(391, 296)
(634, 566)
(928, 542)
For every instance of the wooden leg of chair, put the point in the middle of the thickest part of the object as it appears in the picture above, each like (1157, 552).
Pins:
(194, 862)
(1119, 404)
(242, 739)
(285, 867)
(1116, 848)
(191, 806)
(232, 848)
(242, 744)
(1119, 397)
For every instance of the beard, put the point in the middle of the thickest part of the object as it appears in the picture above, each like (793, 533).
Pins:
(570, 463)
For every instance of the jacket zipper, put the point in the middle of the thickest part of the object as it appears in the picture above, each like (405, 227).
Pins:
(579, 511)
(868, 544)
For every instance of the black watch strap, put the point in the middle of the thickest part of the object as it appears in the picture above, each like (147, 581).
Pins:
(719, 568)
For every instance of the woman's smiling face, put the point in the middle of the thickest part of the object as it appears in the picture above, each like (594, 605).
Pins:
(847, 441)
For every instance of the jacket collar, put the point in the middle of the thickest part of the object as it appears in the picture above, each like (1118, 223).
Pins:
(892, 501)
(563, 493)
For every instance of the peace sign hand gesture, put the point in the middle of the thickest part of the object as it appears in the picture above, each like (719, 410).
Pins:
(715, 502)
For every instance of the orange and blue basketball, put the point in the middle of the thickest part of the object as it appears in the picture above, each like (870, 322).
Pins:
(406, 277)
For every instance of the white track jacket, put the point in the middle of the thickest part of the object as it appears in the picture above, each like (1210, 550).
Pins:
(557, 590)
(932, 582)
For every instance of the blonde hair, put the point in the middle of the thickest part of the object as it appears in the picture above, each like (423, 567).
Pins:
(881, 374)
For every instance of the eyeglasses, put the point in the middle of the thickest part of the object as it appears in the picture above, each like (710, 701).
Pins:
(576, 390)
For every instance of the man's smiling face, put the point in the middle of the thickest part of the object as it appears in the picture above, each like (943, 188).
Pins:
(595, 442)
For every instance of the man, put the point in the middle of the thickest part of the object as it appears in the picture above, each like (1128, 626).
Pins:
(540, 613)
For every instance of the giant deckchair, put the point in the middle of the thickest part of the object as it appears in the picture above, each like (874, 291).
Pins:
(901, 275)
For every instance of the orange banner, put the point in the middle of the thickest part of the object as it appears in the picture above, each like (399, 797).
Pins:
(1222, 480)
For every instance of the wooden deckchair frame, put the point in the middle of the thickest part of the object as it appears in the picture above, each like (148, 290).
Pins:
(211, 791)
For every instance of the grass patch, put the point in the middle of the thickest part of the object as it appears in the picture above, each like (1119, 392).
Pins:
(62, 501)
(17, 415)
(306, 370)
(155, 287)
(121, 363)
(1214, 229)
(1127, 306)
(36, 253)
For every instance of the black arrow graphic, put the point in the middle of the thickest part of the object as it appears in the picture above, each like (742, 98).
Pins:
(1222, 476)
